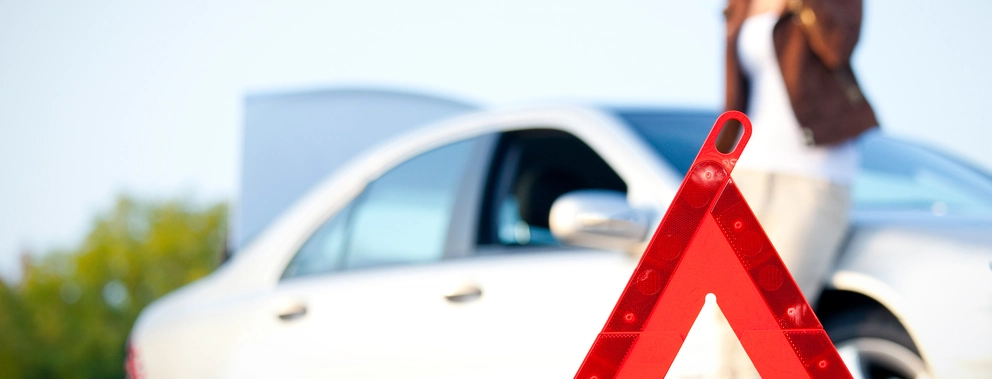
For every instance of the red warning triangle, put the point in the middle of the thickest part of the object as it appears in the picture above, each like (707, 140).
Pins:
(710, 242)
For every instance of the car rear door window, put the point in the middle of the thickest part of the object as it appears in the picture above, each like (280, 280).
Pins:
(402, 217)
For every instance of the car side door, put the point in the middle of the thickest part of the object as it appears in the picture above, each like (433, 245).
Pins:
(369, 293)
(544, 302)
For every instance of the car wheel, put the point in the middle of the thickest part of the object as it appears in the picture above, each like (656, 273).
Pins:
(874, 345)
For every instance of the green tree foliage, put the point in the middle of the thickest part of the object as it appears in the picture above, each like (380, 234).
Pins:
(72, 312)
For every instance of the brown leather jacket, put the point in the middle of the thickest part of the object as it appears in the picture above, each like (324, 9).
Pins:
(814, 40)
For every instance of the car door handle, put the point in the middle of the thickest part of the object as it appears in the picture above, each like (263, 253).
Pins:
(293, 312)
(464, 294)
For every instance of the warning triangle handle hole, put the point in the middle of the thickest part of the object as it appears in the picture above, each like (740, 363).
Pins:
(727, 139)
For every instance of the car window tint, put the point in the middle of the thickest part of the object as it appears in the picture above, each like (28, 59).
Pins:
(896, 175)
(405, 214)
(324, 251)
(531, 170)
(401, 217)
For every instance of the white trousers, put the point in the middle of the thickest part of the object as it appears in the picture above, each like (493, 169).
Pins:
(806, 220)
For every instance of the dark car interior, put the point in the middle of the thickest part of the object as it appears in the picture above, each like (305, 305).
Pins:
(531, 169)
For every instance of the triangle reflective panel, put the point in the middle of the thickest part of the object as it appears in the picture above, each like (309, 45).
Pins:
(710, 242)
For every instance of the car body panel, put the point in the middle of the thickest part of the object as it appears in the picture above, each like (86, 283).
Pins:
(937, 281)
(420, 334)
(933, 276)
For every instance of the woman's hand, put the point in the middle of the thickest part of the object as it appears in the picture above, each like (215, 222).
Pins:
(832, 27)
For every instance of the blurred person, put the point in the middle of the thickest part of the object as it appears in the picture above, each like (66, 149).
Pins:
(788, 67)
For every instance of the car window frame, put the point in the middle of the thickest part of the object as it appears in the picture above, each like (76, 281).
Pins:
(464, 223)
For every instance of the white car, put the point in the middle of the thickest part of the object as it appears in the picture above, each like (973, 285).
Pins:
(432, 257)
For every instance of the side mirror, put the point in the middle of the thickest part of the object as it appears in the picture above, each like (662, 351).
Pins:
(598, 219)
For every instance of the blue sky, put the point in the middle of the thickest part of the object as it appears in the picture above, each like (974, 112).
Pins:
(108, 97)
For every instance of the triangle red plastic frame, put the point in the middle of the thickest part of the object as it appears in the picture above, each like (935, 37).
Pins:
(710, 242)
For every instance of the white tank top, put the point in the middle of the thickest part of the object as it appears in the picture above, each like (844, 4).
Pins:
(777, 142)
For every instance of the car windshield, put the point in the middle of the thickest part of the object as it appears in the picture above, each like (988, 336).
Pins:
(897, 175)
(676, 135)
(894, 175)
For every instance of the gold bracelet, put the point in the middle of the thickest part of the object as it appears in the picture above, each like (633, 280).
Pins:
(796, 6)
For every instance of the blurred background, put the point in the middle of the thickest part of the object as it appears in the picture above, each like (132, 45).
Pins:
(121, 123)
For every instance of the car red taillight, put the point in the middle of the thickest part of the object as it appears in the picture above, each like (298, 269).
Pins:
(132, 363)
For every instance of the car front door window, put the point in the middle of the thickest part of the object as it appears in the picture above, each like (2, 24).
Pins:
(532, 169)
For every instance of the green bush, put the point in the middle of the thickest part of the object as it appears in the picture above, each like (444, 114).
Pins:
(71, 314)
